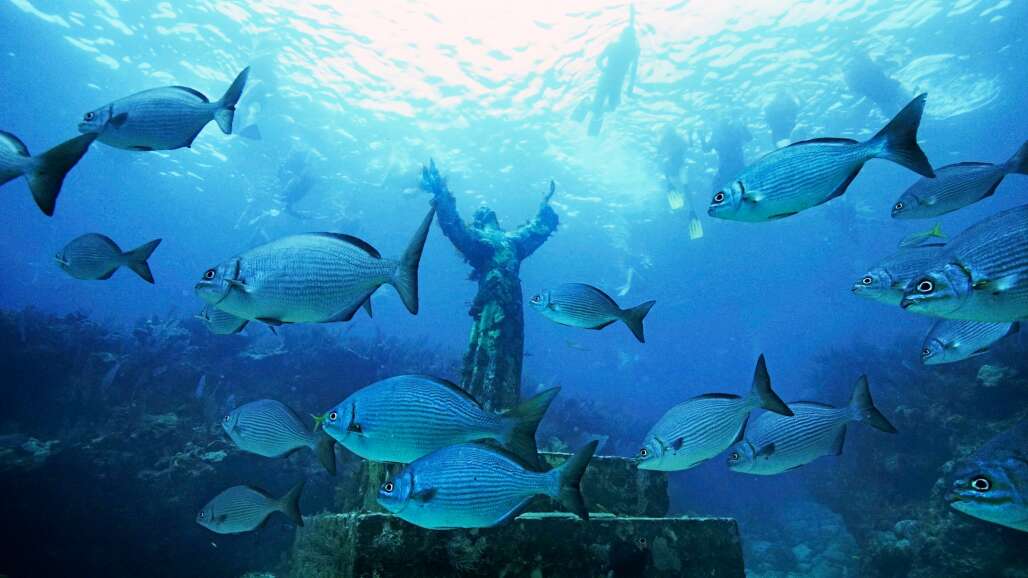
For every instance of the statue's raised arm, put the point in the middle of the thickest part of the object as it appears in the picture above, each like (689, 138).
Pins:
(530, 236)
(466, 239)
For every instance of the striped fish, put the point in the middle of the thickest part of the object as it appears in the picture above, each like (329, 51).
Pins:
(269, 428)
(953, 340)
(956, 186)
(773, 444)
(403, 418)
(808, 173)
(311, 278)
(475, 486)
(244, 508)
(219, 322)
(698, 429)
(886, 281)
(981, 275)
(992, 483)
(45, 173)
(581, 305)
(96, 257)
(162, 118)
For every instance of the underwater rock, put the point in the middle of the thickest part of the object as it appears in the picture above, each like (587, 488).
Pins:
(536, 544)
(994, 375)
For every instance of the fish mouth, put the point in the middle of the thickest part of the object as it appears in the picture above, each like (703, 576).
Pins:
(907, 303)
(85, 128)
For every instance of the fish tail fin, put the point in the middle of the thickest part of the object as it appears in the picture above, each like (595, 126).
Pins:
(290, 503)
(136, 259)
(633, 318)
(937, 231)
(405, 277)
(227, 105)
(762, 391)
(523, 421)
(897, 142)
(1019, 162)
(569, 480)
(251, 132)
(324, 447)
(49, 169)
(863, 407)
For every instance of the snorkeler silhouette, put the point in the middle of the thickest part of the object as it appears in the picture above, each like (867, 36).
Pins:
(867, 79)
(671, 158)
(618, 59)
(727, 139)
(780, 115)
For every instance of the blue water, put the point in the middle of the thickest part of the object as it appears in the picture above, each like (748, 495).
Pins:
(371, 91)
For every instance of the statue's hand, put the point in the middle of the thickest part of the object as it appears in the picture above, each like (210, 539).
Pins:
(431, 180)
(549, 195)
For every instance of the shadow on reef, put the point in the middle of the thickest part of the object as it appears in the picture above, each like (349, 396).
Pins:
(110, 439)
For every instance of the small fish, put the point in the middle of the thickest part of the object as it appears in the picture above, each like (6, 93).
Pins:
(992, 483)
(920, 239)
(811, 172)
(269, 428)
(403, 418)
(311, 278)
(45, 173)
(581, 305)
(700, 428)
(981, 275)
(773, 444)
(201, 387)
(954, 340)
(886, 281)
(244, 508)
(96, 257)
(219, 322)
(956, 186)
(475, 486)
(162, 118)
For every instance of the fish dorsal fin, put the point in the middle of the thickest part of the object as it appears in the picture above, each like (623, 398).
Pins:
(351, 240)
(602, 294)
(965, 164)
(501, 451)
(718, 396)
(824, 140)
(260, 491)
(191, 91)
(450, 386)
(15, 143)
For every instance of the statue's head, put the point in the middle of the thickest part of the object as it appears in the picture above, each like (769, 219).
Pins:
(485, 218)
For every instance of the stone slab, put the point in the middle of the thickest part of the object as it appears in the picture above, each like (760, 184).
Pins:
(534, 545)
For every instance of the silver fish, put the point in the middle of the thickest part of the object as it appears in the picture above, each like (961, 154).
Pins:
(268, 428)
(581, 305)
(164, 118)
(811, 172)
(886, 281)
(954, 340)
(773, 444)
(219, 322)
(956, 186)
(244, 508)
(403, 418)
(311, 278)
(475, 486)
(45, 173)
(698, 429)
(992, 483)
(96, 257)
(981, 275)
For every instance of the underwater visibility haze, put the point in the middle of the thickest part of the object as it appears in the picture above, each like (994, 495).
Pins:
(581, 288)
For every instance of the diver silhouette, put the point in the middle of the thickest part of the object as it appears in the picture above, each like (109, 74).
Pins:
(619, 59)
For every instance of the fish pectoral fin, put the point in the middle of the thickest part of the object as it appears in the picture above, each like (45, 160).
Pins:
(677, 444)
(765, 451)
(271, 321)
(237, 284)
(354, 427)
(998, 286)
(425, 495)
(753, 197)
(119, 120)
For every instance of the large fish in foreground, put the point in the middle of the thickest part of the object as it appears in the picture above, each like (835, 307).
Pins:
(475, 486)
(164, 118)
(96, 257)
(268, 428)
(702, 427)
(581, 305)
(45, 173)
(981, 275)
(773, 444)
(952, 340)
(403, 418)
(992, 483)
(886, 281)
(311, 278)
(244, 508)
(808, 173)
(956, 186)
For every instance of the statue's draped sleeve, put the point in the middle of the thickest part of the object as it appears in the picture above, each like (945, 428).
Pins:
(530, 236)
(467, 240)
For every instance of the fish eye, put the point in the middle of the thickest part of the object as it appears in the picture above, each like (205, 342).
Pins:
(641, 542)
(734, 456)
(536, 299)
(332, 416)
(981, 484)
(226, 418)
(925, 286)
(867, 280)
(644, 452)
(898, 206)
(201, 514)
(89, 116)
(388, 487)
(719, 197)
(209, 274)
